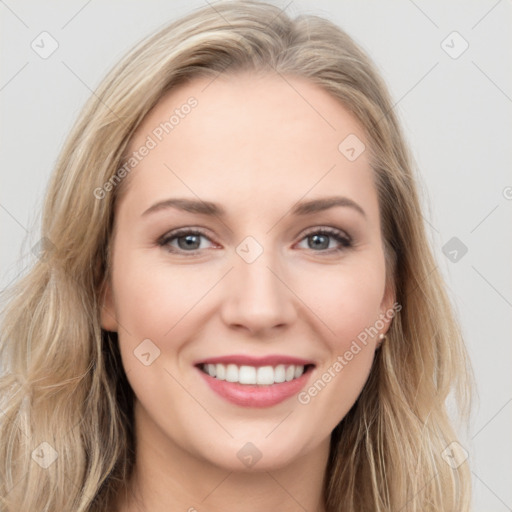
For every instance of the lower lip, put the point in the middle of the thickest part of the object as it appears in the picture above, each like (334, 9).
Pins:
(249, 395)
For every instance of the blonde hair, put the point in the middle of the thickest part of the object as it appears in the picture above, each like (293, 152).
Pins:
(62, 380)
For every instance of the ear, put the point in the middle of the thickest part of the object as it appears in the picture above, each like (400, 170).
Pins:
(388, 306)
(108, 317)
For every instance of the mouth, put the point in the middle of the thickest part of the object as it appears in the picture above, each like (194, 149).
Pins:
(255, 375)
(255, 382)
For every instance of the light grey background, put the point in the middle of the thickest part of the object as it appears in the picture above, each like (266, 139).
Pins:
(456, 113)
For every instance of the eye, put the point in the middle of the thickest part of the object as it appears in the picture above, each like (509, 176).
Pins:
(326, 239)
(183, 240)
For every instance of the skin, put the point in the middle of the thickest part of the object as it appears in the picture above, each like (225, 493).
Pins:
(256, 146)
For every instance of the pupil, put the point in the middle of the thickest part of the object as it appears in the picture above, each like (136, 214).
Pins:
(190, 242)
(319, 242)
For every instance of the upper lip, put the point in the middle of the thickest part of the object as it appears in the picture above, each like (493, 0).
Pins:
(270, 360)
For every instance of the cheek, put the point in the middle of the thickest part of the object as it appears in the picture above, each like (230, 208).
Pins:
(151, 297)
(349, 306)
(157, 303)
(346, 298)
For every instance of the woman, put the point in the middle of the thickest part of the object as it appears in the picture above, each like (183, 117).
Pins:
(236, 307)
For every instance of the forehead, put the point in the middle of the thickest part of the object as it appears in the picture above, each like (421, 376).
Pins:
(241, 136)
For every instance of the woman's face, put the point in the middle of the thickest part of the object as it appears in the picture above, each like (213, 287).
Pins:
(277, 269)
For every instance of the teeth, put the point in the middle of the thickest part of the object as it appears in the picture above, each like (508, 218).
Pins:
(211, 369)
(232, 373)
(247, 375)
(265, 375)
(280, 373)
(219, 372)
(261, 375)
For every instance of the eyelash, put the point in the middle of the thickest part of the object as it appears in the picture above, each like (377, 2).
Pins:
(338, 235)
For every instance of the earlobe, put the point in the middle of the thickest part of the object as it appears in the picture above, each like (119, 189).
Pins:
(108, 318)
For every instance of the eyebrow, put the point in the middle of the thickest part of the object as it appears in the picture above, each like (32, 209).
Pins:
(214, 209)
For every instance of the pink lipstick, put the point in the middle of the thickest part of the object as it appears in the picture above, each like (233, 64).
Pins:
(255, 381)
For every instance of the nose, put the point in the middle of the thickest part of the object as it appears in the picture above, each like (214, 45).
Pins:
(257, 298)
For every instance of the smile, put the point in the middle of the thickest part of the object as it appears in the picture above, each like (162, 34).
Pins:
(255, 382)
(260, 375)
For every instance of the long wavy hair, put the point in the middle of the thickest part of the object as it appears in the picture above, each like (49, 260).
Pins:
(63, 390)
